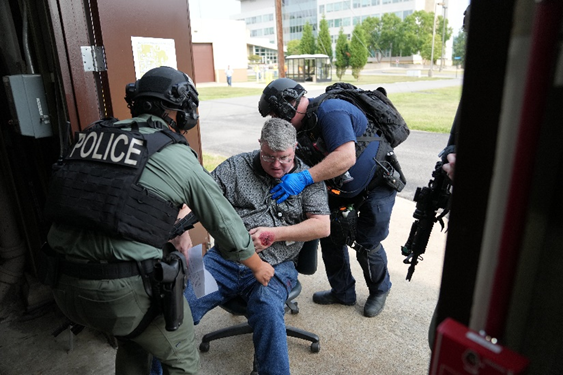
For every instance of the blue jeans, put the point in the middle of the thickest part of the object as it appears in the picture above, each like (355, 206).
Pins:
(372, 228)
(265, 306)
(229, 80)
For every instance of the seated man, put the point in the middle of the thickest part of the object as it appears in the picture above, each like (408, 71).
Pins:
(278, 232)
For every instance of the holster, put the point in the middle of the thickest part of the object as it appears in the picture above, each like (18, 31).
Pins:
(171, 275)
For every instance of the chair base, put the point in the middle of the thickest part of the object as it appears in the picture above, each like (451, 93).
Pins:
(244, 328)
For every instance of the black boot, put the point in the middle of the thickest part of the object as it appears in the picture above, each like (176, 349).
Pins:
(374, 304)
(327, 298)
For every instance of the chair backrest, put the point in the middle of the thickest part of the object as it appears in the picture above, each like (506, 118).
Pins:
(307, 259)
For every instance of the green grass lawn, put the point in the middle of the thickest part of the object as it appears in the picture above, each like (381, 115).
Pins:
(211, 93)
(432, 110)
(211, 161)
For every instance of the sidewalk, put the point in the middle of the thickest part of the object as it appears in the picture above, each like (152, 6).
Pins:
(393, 343)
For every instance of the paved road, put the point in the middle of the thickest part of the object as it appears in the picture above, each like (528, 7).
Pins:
(231, 126)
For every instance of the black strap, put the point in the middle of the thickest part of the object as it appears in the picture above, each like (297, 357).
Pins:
(153, 311)
(100, 271)
(155, 308)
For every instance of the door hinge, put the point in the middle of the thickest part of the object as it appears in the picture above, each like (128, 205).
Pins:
(94, 58)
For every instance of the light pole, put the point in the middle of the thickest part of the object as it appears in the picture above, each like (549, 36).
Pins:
(442, 64)
(433, 37)
(279, 31)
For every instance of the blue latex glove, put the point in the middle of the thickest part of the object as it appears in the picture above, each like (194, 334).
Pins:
(292, 184)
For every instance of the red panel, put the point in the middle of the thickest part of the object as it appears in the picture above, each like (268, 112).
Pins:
(204, 65)
(80, 86)
(459, 351)
(120, 20)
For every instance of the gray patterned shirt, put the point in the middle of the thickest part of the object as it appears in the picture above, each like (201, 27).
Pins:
(247, 186)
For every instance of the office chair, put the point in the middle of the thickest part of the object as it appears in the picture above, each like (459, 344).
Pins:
(306, 265)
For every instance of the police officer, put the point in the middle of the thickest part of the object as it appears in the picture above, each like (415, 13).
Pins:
(113, 201)
(327, 137)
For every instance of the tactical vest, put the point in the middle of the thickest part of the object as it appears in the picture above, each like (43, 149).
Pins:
(96, 185)
(311, 148)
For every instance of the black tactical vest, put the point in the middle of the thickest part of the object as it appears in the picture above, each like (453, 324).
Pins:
(96, 185)
(311, 148)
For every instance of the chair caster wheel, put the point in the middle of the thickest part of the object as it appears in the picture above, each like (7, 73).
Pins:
(315, 347)
(204, 347)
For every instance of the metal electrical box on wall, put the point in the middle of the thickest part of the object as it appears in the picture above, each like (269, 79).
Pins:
(28, 106)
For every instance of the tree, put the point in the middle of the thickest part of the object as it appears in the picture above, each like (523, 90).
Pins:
(254, 59)
(358, 51)
(324, 42)
(426, 50)
(293, 47)
(440, 28)
(416, 31)
(307, 44)
(372, 31)
(459, 48)
(342, 54)
(390, 37)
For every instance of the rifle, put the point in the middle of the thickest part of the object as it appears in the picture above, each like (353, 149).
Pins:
(182, 225)
(429, 200)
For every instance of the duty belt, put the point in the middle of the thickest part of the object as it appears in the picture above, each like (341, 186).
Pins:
(100, 271)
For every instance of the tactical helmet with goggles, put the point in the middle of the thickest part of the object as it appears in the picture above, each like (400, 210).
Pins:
(162, 89)
(281, 98)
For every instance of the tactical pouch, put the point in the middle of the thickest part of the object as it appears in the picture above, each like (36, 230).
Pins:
(48, 266)
(343, 224)
(171, 276)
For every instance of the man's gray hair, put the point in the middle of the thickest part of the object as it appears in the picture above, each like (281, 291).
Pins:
(279, 134)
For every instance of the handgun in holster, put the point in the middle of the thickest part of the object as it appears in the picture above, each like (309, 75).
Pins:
(171, 274)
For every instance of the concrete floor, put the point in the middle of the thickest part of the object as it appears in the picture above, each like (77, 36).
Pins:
(395, 342)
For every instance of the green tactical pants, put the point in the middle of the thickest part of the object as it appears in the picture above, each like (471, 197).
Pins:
(116, 307)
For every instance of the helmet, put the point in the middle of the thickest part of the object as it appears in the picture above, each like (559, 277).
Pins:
(165, 88)
(278, 98)
(466, 19)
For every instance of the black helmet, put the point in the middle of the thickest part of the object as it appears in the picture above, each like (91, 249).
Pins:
(278, 97)
(165, 88)
(466, 19)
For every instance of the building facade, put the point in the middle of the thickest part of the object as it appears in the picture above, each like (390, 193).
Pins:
(260, 20)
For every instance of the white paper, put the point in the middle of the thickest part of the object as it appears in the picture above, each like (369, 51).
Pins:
(151, 53)
(200, 279)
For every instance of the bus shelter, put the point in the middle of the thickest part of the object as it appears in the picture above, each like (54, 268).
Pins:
(309, 68)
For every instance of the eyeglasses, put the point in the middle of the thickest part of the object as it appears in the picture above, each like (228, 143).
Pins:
(272, 159)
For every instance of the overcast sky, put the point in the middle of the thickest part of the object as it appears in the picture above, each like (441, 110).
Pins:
(223, 9)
